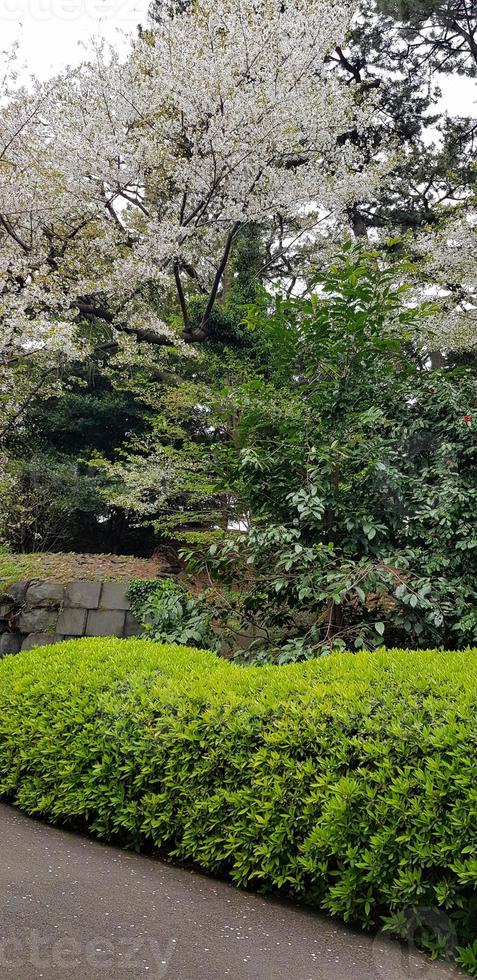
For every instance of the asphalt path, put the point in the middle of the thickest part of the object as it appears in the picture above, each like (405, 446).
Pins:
(74, 908)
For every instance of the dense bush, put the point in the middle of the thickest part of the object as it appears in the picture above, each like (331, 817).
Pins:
(170, 613)
(349, 782)
(352, 469)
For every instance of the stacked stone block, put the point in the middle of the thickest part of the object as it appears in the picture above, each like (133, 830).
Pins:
(41, 613)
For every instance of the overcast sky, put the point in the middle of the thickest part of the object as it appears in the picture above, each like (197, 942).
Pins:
(51, 34)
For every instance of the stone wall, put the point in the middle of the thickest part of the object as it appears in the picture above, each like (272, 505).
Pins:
(39, 613)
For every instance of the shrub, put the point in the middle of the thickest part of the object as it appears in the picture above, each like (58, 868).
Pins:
(350, 473)
(169, 613)
(347, 782)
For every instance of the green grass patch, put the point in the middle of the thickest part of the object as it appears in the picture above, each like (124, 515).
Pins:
(349, 782)
(15, 568)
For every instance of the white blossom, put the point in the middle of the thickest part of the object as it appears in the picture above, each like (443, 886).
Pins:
(119, 175)
(449, 273)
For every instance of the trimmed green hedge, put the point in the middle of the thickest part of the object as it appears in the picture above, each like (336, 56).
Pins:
(350, 782)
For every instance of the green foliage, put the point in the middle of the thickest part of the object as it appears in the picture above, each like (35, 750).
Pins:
(165, 482)
(48, 499)
(355, 463)
(54, 497)
(140, 591)
(221, 326)
(171, 614)
(89, 416)
(248, 258)
(348, 783)
(226, 322)
(468, 958)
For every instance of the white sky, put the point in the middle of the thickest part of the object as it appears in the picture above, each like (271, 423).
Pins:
(459, 95)
(52, 32)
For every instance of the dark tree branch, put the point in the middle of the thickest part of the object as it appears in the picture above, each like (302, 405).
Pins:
(94, 311)
(202, 332)
(12, 233)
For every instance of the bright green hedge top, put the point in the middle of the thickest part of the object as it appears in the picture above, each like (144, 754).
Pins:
(350, 782)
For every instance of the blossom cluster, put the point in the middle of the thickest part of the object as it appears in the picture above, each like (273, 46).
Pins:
(127, 173)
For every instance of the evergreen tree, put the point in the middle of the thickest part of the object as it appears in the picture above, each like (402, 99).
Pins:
(161, 11)
(396, 53)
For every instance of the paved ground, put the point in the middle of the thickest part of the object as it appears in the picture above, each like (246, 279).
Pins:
(73, 908)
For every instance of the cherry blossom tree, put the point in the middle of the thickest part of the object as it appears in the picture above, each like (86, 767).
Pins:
(448, 270)
(123, 179)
